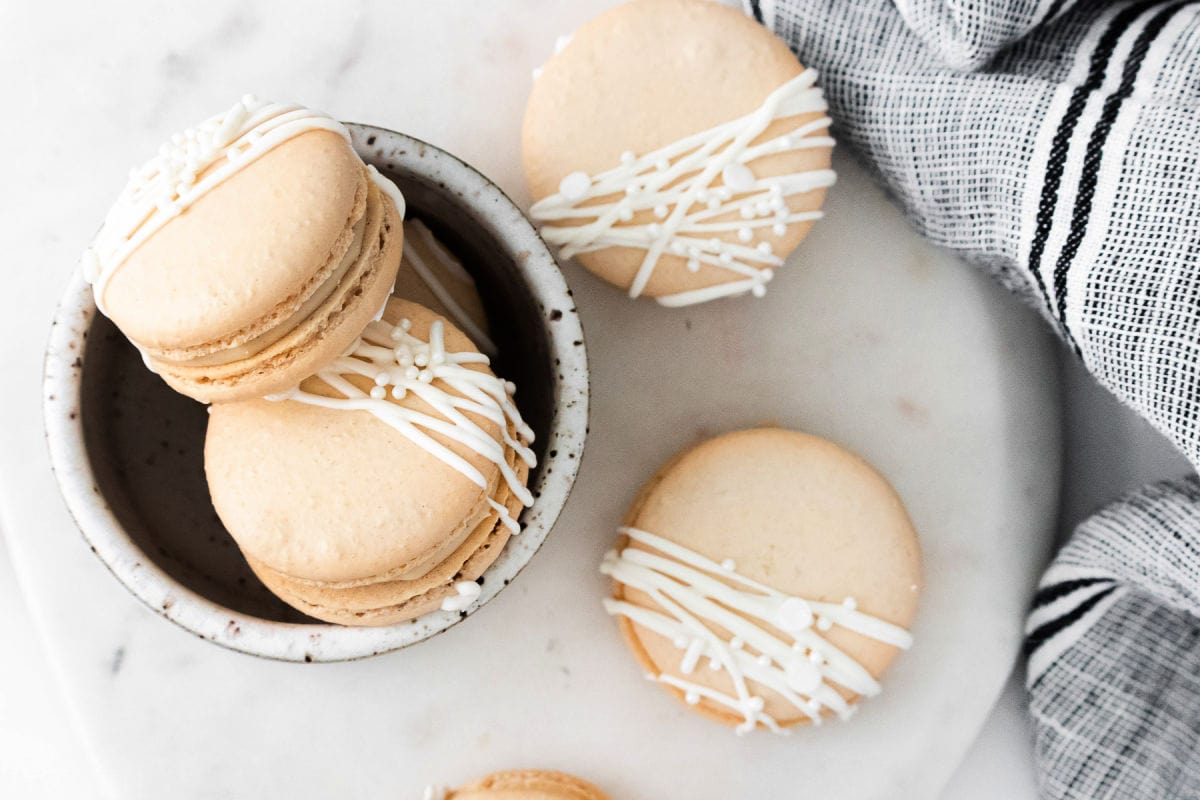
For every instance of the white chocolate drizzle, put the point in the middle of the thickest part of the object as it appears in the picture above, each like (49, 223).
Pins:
(428, 275)
(398, 363)
(674, 184)
(697, 595)
(465, 593)
(190, 165)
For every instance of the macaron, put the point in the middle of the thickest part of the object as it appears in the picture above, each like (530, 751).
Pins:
(432, 275)
(524, 784)
(766, 578)
(384, 485)
(250, 251)
(677, 149)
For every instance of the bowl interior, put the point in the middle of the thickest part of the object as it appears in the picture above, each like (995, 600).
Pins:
(145, 443)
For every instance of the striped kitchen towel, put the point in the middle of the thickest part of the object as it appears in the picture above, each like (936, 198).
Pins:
(1056, 143)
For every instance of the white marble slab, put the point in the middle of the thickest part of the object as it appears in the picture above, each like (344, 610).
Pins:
(871, 338)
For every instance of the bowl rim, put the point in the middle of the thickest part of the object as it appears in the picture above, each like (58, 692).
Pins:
(207, 619)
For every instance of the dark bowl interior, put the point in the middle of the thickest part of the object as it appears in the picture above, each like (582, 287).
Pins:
(146, 443)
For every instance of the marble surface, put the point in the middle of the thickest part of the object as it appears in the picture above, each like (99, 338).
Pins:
(970, 441)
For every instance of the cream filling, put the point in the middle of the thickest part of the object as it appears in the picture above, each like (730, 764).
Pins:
(306, 310)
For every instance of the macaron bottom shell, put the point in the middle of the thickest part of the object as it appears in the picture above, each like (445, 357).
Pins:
(528, 784)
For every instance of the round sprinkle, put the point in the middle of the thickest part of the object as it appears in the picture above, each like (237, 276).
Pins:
(660, 211)
(729, 565)
(779, 229)
(765, 248)
(693, 265)
(715, 243)
(764, 660)
(745, 234)
(850, 603)
(814, 704)
(766, 274)
(738, 177)
(725, 257)
(681, 642)
(762, 208)
(662, 165)
(378, 393)
(692, 698)
(755, 704)
(795, 615)
(575, 185)
(678, 248)
(736, 643)
(405, 324)
(425, 377)
(776, 190)
(399, 392)
(814, 657)
(412, 373)
(422, 360)
(654, 229)
(628, 157)
(714, 664)
(778, 204)
(624, 212)
(758, 290)
(713, 203)
(381, 379)
(747, 212)
(693, 252)
(824, 623)
(632, 189)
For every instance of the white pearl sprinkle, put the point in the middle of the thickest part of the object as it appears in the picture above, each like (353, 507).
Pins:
(628, 157)
(662, 165)
(713, 203)
(425, 377)
(747, 212)
(681, 642)
(422, 360)
(729, 565)
(736, 643)
(399, 392)
(692, 698)
(762, 208)
(779, 229)
(412, 373)
(693, 265)
(714, 664)
(693, 251)
(725, 258)
(824, 623)
(378, 393)
(850, 603)
(764, 660)
(624, 212)
(758, 290)
(745, 234)
(678, 248)
(575, 186)
(814, 657)
(632, 189)
(765, 248)
(738, 177)
(660, 211)
(405, 324)
(381, 379)
(653, 230)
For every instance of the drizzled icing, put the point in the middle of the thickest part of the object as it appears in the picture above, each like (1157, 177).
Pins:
(399, 363)
(466, 592)
(675, 186)
(695, 593)
(428, 275)
(190, 165)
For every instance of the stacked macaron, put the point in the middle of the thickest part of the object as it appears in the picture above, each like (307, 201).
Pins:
(250, 251)
(766, 578)
(384, 485)
(521, 784)
(364, 457)
(678, 149)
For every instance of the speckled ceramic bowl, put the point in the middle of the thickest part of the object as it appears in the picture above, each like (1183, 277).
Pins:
(128, 452)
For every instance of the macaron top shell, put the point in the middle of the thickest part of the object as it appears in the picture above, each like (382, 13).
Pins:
(529, 784)
(337, 495)
(248, 252)
(793, 512)
(644, 75)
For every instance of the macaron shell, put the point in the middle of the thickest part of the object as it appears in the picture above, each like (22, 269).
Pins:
(339, 495)
(528, 784)
(390, 602)
(794, 512)
(246, 250)
(323, 336)
(641, 76)
(461, 288)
